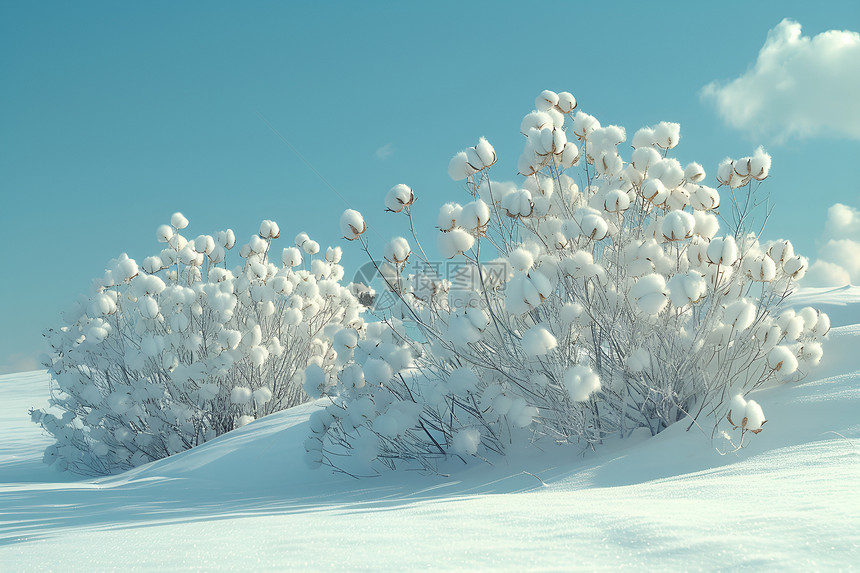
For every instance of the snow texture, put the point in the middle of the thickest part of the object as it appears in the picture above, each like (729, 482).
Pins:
(670, 502)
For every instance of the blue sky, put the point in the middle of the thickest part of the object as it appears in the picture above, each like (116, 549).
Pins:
(115, 115)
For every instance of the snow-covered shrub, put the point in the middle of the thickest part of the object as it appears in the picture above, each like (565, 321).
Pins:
(168, 354)
(603, 297)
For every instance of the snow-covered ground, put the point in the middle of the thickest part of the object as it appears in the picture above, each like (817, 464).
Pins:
(787, 501)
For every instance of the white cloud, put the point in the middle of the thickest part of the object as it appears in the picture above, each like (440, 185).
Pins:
(839, 255)
(798, 86)
(385, 151)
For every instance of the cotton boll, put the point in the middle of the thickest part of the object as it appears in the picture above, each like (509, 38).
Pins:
(742, 166)
(580, 382)
(687, 288)
(594, 227)
(781, 251)
(454, 242)
(540, 140)
(459, 168)
(538, 341)
(521, 295)
(153, 264)
(535, 120)
(759, 164)
(810, 318)
(529, 162)
(352, 376)
(479, 318)
(485, 153)
(706, 225)
(257, 245)
(769, 336)
(311, 247)
(678, 225)
(669, 171)
(737, 410)
(345, 340)
(521, 259)
(791, 324)
(333, 255)
(449, 213)
(177, 241)
(352, 224)
(466, 441)
(164, 233)
(292, 257)
(644, 137)
(474, 216)
(667, 135)
(398, 197)
(178, 221)
(694, 172)
(795, 267)
(576, 264)
(616, 201)
(811, 352)
(822, 326)
(705, 198)
(258, 355)
(101, 305)
(397, 250)
(725, 172)
(569, 155)
(125, 268)
(655, 191)
(584, 124)
(204, 244)
(559, 141)
(782, 360)
(740, 314)
(274, 347)
(229, 338)
(649, 294)
(226, 239)
(644, 157)
(754, 416)
(97, 333)
(518, 204)
(148, 307)
(546, 100)
(473, 159)
(761, 269)
(566, 102)
(723, 251)
(269, 230)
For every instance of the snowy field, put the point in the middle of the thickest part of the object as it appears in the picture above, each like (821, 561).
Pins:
(787, 501)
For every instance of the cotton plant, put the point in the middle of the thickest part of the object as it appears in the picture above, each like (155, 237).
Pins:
(612, 288)
(166, 354)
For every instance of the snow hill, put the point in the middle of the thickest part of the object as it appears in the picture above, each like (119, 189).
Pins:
(246, 500)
